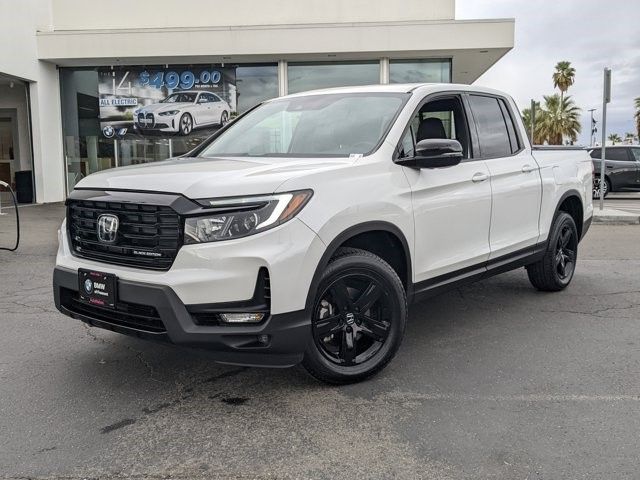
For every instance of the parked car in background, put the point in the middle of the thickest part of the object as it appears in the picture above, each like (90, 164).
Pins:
(181, 112)
(622, 169)
(303, 230)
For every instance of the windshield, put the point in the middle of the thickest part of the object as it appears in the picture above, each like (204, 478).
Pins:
(330, 125)
(180, 97)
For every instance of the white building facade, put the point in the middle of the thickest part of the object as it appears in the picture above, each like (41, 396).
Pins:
(84, 85)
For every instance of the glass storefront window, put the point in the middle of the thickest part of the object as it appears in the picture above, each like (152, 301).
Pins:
(419, 71)
(139, 114)
(313, 75)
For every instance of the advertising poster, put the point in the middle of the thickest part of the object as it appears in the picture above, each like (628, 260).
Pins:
(180, 101)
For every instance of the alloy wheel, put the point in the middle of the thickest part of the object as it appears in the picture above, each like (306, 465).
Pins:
(186, 124)
(565, 254)
(352, 319)
(596, 187)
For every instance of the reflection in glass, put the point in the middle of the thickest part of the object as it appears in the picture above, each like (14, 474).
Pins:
(419, 71)
(255, 83)
(309, 76)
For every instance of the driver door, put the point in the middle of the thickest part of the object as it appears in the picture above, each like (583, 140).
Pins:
(451, 205)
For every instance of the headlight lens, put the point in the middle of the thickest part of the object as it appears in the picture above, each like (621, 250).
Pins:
(240, 217)
(168, 113)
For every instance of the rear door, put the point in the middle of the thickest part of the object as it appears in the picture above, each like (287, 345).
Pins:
(516, 184)
(621, 167)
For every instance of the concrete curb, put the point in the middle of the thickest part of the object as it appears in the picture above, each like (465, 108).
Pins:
(610, 216)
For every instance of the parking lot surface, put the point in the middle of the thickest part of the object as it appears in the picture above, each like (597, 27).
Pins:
(494, 380)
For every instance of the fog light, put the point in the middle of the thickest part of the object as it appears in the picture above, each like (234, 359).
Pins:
(241, 317)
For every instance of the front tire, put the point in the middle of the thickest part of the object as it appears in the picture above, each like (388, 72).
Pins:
(555, 270)
(359, 317)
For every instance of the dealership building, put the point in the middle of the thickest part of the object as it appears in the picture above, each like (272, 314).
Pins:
(80, 80)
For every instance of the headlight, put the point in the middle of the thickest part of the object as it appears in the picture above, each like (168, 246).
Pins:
(239, 217)
(168, 113)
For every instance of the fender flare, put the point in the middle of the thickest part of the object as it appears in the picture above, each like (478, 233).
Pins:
(565, 195)
(349, 233)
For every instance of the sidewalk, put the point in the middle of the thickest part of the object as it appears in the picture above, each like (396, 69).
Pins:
(612, 216)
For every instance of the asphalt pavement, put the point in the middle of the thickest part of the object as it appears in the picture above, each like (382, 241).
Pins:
(494, 380)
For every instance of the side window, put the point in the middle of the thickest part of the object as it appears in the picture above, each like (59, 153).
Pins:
(493, 135)
(440, 118)
(407, 144)
(213, 98)
(511, 127)
(204, 98)
(619, 154)
(636, 154)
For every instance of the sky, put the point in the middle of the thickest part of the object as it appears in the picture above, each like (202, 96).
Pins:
(591, 34)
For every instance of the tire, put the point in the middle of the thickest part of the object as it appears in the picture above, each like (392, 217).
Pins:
(224, 118)
(596, 187)
(555, 270)
(186, 124)
(349, 343)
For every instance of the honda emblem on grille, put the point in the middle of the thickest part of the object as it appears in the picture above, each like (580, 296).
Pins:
(108, 228)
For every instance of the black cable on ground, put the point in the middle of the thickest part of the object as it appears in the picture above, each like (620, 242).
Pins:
(15, 205)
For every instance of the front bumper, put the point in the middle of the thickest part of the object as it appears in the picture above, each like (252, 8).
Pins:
(172, 322)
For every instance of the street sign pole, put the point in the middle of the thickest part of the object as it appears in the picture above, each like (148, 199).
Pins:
(606, 98)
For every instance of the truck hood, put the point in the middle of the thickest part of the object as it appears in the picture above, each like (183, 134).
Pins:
(210, 177)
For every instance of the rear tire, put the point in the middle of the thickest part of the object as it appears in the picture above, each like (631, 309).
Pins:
(555, 270)
(358, 320)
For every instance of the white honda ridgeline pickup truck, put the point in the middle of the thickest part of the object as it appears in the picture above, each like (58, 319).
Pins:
(300, 232)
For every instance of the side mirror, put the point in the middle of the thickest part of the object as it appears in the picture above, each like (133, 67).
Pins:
(435, 153)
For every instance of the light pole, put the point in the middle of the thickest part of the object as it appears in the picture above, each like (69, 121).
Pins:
(606, 98)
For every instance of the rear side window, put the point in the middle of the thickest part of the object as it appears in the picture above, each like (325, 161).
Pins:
(619, 154)
(493, 134)
(636, 154)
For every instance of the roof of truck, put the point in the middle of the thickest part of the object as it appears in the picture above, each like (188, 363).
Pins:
(400, 88)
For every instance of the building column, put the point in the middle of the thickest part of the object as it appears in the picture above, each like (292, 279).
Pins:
(46, 126)
(283, 80)
(384, 70)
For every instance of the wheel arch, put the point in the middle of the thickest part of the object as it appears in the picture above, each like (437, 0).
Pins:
(571, 202)
(373, 237)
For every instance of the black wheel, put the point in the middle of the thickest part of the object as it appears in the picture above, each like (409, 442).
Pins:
(555, 271)
(224, 119)
(596, 187)
(359, 317)
(186, 124)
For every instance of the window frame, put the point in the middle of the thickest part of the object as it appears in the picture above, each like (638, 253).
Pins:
(502, 103)
(430, 98)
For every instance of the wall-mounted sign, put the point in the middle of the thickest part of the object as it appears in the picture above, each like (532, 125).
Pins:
(166, 101)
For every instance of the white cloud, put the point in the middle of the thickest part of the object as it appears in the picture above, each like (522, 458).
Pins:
(591, 34)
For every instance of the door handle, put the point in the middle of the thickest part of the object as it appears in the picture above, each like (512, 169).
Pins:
(528, 168)
(479, 177)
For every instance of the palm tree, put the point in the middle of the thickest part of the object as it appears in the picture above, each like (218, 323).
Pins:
(636, 103)
(560, 118)
(526, 119)
(563, 77)
(613, 138)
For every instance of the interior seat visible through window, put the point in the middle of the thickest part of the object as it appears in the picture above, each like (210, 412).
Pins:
(441, 118)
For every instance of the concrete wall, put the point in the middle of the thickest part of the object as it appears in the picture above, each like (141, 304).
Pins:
(19, 22)
(123, 14)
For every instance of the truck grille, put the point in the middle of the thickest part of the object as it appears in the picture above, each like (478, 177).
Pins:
(148, 236)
